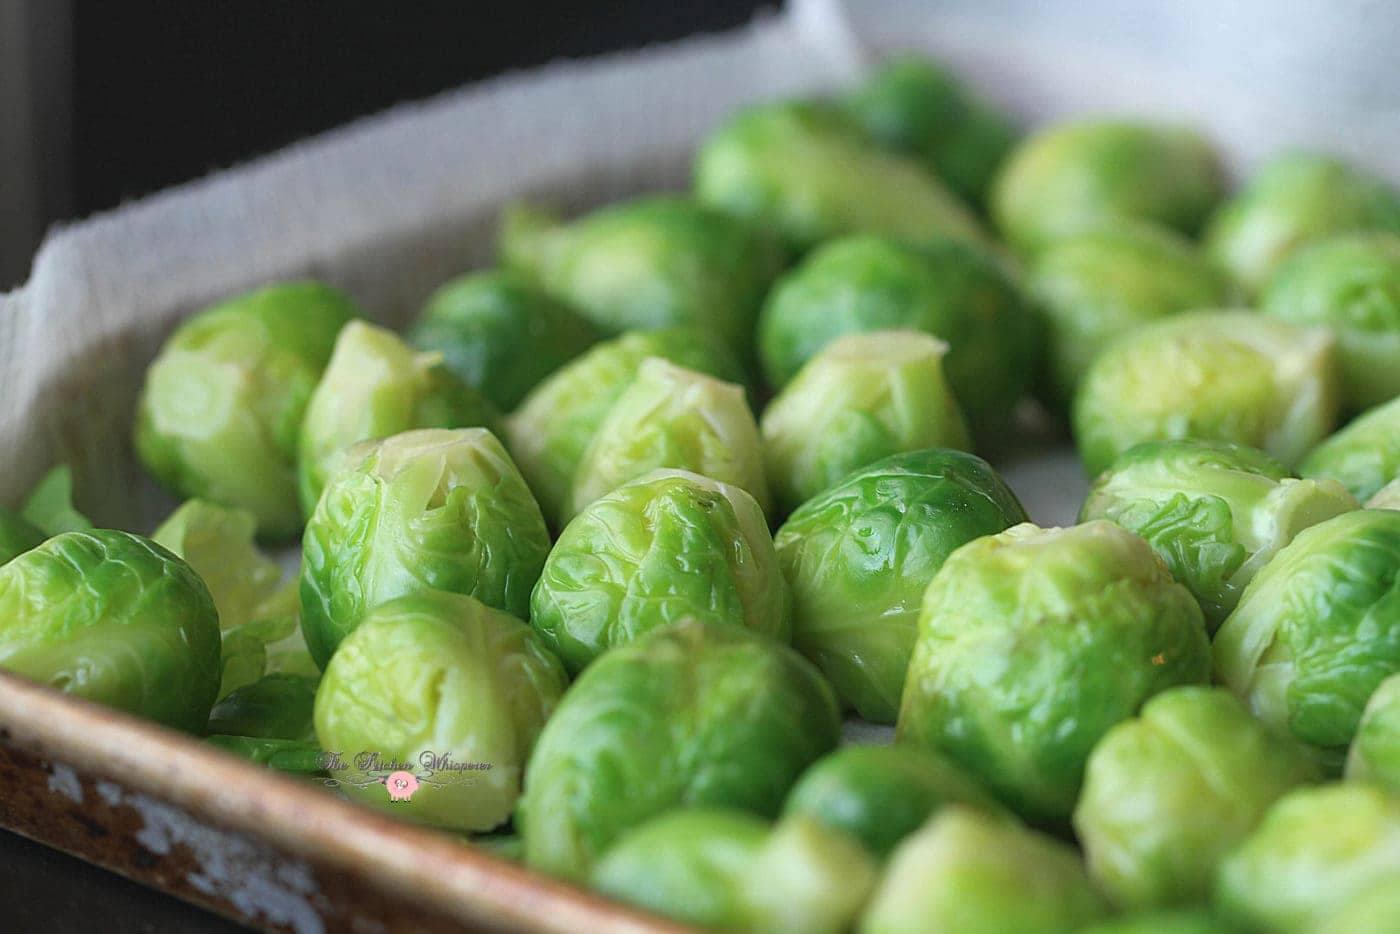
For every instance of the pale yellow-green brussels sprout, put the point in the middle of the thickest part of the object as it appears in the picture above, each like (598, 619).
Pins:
(1350, 284)
(673, 417)
(1211, 376)
(223, 402)
(862, 398)
(434, 509)
(375, 386)
(1364, 455)
(1375, 751)
(1033, 643)
(729, 870)
(975, 873)
(1387, 497)
(1215, 512)
(1292, 200)
(1074, 175)
(1317, 850)
(1318, 629)
(653, 262)
(807, 171)
(1098, 284)
(443, 687)
(667, 546)
(549, 431)
(1167, 794)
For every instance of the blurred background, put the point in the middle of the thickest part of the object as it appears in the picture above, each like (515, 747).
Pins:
(102, 101)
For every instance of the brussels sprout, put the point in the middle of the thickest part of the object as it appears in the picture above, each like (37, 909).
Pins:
(443, 686)
(1211, 376)
(1377, 910)
(1364, 455)
(915, 105)
(809, 173)
(17, 535)
(863, 397)
(1168, 794)
(1316, 850)
(1375, 751)
(881, 794)
(1388, 497)
(375, 386)
(1318, 629)
(690, 714)
(1185, 921)
(223, 402)
(1098, 284)
(1350, 284)
(667, 546)
(725, 869)
(1215, 512)
(1081, 174)
(652, 262)
(550, 430)
(49, 506)
(673, 417)
(859, 556)
(276, 706)
(1292, 200)
(972, 872)
(435, 509)
(500, 333)
(114, 618)
(1033, 643)
(950, 290)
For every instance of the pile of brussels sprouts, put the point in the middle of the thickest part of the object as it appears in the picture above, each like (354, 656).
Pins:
(626, 526)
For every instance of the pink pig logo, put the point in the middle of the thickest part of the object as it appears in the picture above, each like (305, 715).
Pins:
(401, 785)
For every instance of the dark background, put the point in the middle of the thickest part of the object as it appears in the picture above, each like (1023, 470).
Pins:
(127, 97)
(132, 96)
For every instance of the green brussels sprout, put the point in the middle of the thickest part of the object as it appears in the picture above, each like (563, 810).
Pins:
(666, 546)
(445, 687)
(808, 172)
(434, 509)
(972, 872)
(1168, 794)
(1095, 285)
(1184, 921)
(1387, 497)
(728, 870)
(1082, 174)
(375, 386)
(1211, 376)
(550, 430)
(950, 290)
(223, 403)
(1350, 284)
(1318, 629)
(114, 618)
(915, 105)
(500, 333)
(859, 556)
(652, 262)
(1214, 512)
(690, 714)
(1033, 643)
(673, 417)
(861, 398)
(1316, 851)
(17, 535)
(1375, 750)
(276, 706)
(1292, 200)
(1376, 910)
(1364, 455)
(881, 794)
